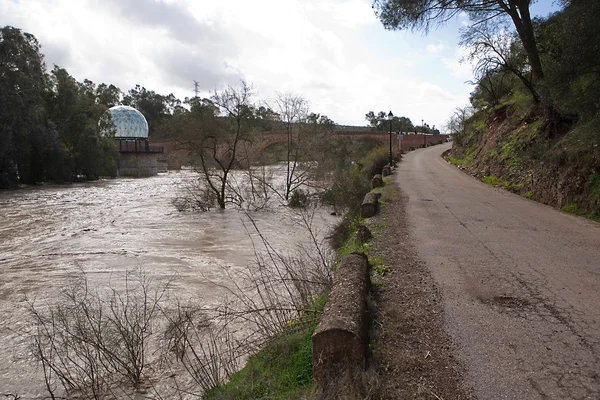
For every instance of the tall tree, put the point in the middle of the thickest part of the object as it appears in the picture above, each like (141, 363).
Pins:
(22, 85)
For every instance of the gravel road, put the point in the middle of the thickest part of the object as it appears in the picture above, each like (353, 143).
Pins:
(520, 282)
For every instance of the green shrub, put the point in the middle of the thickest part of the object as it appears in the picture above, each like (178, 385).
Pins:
(492, 180)
(457, 162)
(347, 191)
(573, 209)
(374, 161)
(527, 195)
(299, 199)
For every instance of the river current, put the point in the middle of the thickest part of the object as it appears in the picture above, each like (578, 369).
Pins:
(50, 235)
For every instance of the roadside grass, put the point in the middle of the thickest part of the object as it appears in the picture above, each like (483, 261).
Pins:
(494, 181)
(457, 162)
(350, 244)
(282, 369)
(574, 209)
(527, 195)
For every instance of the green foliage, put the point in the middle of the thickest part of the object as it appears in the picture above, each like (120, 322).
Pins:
(578, 145)
(374, 161)
(515, 144)
(570, 46)
(347, 191)
(378, 267)
(455, 161)
(492, 180)
(380, 122)
(527, 195)
(573, 209)
(350, 244)
(594, 187)
(22, 87)
(282, 369)
(48, 122)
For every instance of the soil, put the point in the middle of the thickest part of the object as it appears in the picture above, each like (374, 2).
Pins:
(411, 353)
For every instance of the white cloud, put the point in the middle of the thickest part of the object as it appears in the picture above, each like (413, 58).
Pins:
(459, 65)
(435, 48)
(332, 52)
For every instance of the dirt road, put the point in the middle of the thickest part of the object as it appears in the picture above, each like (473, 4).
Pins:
(520, 282)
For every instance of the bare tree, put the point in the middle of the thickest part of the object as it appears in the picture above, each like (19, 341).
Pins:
(457, 124)
(214, 133)
(90, 343)
(496, 50)
(293, 113)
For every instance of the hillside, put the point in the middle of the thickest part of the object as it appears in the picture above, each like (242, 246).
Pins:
(512, 145)
(536, 131)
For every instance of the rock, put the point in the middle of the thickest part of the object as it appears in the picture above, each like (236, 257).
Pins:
(386, 171)
(369, 205)
(340, 341)
(376, 181)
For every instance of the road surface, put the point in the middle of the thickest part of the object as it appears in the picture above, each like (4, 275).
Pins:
(520, 282)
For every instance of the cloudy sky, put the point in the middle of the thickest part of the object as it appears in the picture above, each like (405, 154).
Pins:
(334, 53)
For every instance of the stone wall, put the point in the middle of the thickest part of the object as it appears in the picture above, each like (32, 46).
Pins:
(138, 165)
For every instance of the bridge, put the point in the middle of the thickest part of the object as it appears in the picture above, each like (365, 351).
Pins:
(409, 141)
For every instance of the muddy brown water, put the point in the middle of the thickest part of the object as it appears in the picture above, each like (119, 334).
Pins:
(50, 235)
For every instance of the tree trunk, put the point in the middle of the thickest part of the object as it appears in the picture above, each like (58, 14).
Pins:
(519, 13)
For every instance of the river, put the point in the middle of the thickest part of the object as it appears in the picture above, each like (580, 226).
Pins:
(49, 235)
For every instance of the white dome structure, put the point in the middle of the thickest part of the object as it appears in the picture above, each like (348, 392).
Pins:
(129, 123)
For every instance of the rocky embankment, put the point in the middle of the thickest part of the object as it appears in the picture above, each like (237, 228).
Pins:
(556, 164)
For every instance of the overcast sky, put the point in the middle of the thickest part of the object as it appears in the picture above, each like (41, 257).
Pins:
(334, 53)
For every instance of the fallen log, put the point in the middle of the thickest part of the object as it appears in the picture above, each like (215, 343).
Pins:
(376, 181)
(340, 341)
(369, 205)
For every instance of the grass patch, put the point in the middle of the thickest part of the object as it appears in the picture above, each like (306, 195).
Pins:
(492, 180)
(282, 369)
(527, 195)
(457, 162)
(378, 267)
(350, 243)
(573, 209)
